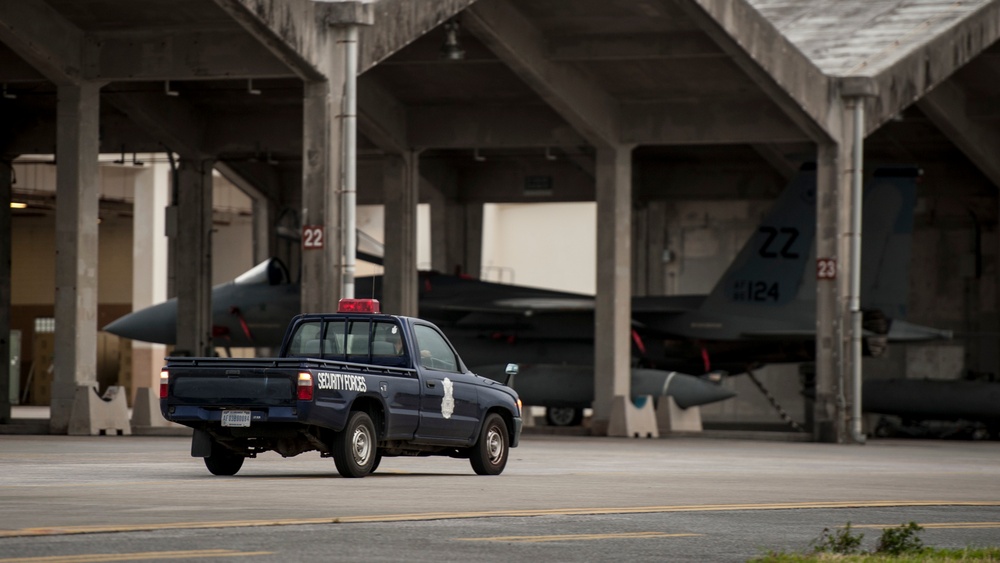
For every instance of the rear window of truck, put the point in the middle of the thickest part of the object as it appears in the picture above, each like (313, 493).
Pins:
(350, 339)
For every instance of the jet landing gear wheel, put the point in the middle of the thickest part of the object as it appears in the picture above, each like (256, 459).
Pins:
(354, 448)
(563, 416)
(489, 455)
(222, 461)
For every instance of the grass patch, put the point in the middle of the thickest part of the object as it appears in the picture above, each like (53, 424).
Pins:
(897, 545)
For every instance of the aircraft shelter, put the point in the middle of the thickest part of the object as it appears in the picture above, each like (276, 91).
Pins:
(635, 104)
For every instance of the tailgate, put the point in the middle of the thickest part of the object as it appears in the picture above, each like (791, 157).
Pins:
(223, 384)
(206, 389)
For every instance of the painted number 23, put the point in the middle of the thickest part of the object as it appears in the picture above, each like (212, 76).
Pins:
(826, 269)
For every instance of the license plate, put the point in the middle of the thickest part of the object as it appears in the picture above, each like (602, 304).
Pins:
(236, 418)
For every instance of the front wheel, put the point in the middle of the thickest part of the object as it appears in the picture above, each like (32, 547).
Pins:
(222, 461)
(354, 448)
(489, 455)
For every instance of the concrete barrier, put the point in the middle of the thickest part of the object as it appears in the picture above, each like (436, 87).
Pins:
(671, 418)
(95, 415)
(631, 421)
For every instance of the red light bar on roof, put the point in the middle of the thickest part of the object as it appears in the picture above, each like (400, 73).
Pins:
(358, 306)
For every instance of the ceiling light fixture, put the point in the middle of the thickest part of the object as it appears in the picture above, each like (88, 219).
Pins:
(18, 205)
(451, 50)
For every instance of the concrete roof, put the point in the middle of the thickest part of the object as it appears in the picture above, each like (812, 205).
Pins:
(538, 77)
(863, 37)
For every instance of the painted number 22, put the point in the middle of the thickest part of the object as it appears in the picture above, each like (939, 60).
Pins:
(312, 237)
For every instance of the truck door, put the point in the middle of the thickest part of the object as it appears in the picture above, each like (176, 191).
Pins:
(449, 406)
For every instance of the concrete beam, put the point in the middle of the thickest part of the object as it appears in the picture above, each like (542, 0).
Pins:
(174, 122)
(777, 66)
(289, 30)
(515, 40)
(381, 118)
(462, 127)
(286, 29)
(188, 54)
(634, 46)
(44, 38)
(777, 159)
(397, 23)
(78, 191)
(922, 69)
(253, 132)
(264, 208)
(707, 121)
(945, 107)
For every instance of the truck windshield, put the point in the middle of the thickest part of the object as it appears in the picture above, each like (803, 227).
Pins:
(350, 339)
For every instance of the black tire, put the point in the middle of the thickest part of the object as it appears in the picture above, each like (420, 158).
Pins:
(223, 461)
(489, 455)
(563, 416)
(355, 448)
(378, 460)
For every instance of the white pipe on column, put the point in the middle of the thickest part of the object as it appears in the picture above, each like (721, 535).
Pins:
(349, 136)
(854, 291)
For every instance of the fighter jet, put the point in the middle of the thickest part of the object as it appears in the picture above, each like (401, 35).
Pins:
(763, 309)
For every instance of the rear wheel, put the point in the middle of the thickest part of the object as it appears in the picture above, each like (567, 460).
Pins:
(354, 448)
(489, 455)
(563, 416)
(223, 461)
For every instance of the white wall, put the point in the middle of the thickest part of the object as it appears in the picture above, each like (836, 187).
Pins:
(550, 245)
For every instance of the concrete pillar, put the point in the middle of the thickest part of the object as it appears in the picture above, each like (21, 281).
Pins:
(473, 248)
(831, 169)
(77, 193)
(401, 192)
(613, 303)
(656, 244)
(5, 251)
(640, 262)
(149, 265)
(322, 163)
(263, 229)
(193, 258)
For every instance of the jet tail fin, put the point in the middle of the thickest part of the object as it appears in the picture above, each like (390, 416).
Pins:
(887, 235)
(772, 280)
(768, 276)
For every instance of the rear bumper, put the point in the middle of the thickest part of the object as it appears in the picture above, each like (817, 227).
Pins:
(199, 416)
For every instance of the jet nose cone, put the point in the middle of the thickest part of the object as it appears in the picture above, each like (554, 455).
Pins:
(152, 324)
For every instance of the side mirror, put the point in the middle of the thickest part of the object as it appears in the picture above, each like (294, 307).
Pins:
(511, 372)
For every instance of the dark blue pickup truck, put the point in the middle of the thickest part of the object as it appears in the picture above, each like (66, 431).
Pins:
(356, 385)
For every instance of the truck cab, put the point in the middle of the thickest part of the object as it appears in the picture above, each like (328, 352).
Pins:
(356, 385)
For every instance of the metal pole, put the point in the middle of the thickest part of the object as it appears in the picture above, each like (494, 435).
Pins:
(350, 193)
(854, 292)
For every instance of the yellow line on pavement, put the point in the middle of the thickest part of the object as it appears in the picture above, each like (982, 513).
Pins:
(526, 513)
(138, 556)
(580, 537)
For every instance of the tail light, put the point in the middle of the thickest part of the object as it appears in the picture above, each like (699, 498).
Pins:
(305, 389)
(164, 379)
